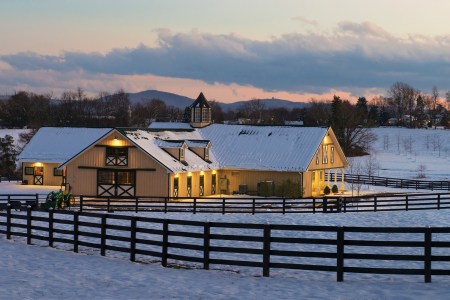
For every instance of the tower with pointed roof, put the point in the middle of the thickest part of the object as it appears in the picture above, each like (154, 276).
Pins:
(200, 112)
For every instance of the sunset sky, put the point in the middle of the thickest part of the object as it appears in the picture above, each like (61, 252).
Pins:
(231, 50)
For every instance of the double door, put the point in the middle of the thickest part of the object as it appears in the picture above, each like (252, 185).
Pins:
(116, 183)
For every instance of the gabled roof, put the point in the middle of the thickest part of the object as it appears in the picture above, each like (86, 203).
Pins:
(200, 102)
(276, 148)
(169, 125)
(198, 143)
(169, 143)
(150, 141)
(59, 144)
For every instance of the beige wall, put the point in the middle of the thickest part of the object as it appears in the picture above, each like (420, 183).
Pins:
(148, 183)
(49, 178)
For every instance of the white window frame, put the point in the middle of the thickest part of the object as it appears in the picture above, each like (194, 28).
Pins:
(324, 154)
(332, 155)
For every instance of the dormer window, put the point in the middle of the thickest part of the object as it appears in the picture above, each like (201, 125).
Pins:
(116, 156)
(207, 153)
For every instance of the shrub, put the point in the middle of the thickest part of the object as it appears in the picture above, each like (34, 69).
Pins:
(334, 189)
(289, 189)
(326, 190)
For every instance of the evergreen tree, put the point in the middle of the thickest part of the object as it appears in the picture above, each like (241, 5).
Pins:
(8, 155)
(420, 112)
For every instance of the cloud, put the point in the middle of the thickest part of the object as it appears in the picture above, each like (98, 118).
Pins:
(306, 21)
(353, 57)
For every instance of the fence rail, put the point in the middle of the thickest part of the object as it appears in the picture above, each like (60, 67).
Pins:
(341, 250)
(328, 204)
(394, 182)
(223, 205)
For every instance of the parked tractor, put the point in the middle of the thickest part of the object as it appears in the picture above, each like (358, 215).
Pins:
(58, 200)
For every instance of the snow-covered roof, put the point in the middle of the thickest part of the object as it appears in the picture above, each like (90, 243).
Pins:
(59, 144)
(277, 148)
(169, 143)
(197, 143)
(169, 125)
(150, 141)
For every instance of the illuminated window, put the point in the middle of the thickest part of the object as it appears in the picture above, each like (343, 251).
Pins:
(205, 115)
(317, 158)
(116, 156)
(332, 155)
(325, 154)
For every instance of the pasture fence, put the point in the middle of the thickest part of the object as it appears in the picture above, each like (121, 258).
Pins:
(421, 251)
(393, 182)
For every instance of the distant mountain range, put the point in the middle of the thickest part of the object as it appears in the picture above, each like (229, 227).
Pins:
(182, 101)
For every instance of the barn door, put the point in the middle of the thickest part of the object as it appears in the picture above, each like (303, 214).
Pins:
(213, 184)
(202, 185)
(38, 178)
(116, 183)
(175, 187)
(189, 186)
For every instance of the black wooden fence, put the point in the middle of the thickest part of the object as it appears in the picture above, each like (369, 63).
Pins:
(334, 203)
(341, 250)
(394, 182)
(328, 204)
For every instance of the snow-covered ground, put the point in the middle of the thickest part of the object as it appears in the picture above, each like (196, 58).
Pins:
(400, 151)
(45, 273)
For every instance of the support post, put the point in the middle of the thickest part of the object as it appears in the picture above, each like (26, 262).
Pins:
(133, 239)
(50, 226)
(8, 221)
(206, 244)
(29, 225)
(266, 251)
(340, 254)
(165, 243)
(427, 255)
(76, 219)
(103, 236)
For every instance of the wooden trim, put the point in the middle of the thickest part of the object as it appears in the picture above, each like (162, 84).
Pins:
(111, 168)
(130, 146)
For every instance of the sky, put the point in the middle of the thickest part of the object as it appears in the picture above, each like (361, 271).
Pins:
(231, 50)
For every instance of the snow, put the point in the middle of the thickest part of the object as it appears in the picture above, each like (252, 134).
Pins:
(277, 148)
(59, 144)
(152, 142)
(54, 273)
(400, 151)
(169, 125)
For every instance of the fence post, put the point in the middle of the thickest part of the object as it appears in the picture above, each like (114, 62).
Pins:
(206, 243)
(439, 201)
(266, 251)
(284, 206)
(406, 202)
(375, 203)
(133, 239)
(253, 206)
(427, 255)
(165, 204)
(8, 221)
(103, 236)
(76, 219)
(165, 242)
(28, 225)
(136, 209)
(81, 203)
(50, 227)
(324, 204)
(195, 206)
(223, 206)
(340, 254)
(314, 205)
(37, 200)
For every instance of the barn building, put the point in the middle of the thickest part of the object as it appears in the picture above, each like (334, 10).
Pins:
(184, 160)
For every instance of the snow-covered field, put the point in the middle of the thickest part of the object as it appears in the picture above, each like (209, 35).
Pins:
(41, 272)
(400, 151)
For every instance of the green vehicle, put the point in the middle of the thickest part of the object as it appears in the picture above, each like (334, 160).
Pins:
(58, 200)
